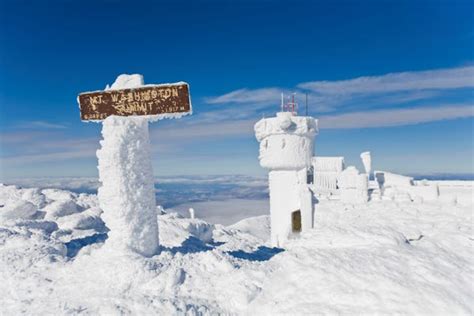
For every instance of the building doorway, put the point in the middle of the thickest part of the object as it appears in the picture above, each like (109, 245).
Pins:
(296, 221)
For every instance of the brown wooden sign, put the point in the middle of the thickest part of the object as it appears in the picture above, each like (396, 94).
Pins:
(146, 100)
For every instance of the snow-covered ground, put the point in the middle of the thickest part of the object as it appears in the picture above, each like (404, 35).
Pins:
(382, 257)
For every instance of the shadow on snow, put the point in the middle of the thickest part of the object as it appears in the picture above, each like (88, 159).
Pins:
(261, 254)
(190, 245)
(75, 245)
(193, 245)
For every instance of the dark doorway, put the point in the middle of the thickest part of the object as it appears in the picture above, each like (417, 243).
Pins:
(296, 221)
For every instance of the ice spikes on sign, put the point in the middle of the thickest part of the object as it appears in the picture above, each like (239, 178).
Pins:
(149, 100)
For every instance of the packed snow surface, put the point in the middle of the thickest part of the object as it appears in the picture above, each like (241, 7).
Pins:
(384, 257)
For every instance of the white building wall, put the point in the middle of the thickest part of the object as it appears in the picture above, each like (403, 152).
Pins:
(284, 199)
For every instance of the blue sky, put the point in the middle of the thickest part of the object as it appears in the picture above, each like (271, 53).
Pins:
(392, 77)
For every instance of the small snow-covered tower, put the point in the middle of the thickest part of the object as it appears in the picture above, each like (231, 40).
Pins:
(286, 149)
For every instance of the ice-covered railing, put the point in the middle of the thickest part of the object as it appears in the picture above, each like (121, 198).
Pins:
(325, 173)
(328, 164)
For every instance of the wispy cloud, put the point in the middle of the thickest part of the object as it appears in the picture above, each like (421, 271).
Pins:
(205, 131)
(202, 131)
(257, 96)
(396, 117)
(462, 77)
(363, 102)
(38, 157)
(26, 147)
(18, 137)
(361, 92)
(40, 125)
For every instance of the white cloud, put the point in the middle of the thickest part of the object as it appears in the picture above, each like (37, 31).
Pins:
(203, 131)
(37, 157)
(462, 77)
(40, 125)
(365, 92)
(22, 137)
(257, 96)
(354, 96)
(362, 119)
(43, 146)
(396, 117)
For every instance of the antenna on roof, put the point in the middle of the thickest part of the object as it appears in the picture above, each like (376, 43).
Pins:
(282, 102)
(306, 104)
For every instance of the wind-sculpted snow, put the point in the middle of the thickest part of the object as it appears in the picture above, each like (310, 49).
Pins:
(385, 257)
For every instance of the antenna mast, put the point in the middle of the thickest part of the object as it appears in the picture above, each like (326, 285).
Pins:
(293, 103)
(282, 102)
(306, 104)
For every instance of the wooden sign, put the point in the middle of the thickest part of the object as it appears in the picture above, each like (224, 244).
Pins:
(147, 100)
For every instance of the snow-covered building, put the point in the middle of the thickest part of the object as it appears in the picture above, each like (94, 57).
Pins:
(297, 179)
(286, 150)
(353, 186)
(402, 188)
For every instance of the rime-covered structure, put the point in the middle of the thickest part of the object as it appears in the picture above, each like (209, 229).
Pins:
(353, 186)
(325, 173)
(286, 150)
(127, 194)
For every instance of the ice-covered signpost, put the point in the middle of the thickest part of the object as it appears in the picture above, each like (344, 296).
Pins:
(127, 194)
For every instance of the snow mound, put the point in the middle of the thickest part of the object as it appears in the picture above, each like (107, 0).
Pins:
(58, 195)
(34, 196)
(258, 226)
(175, 229)
(89, 219)
(60, 208)
(19, 209)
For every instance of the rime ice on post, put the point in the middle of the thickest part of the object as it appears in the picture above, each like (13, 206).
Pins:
(127, 193)
(286, 149)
